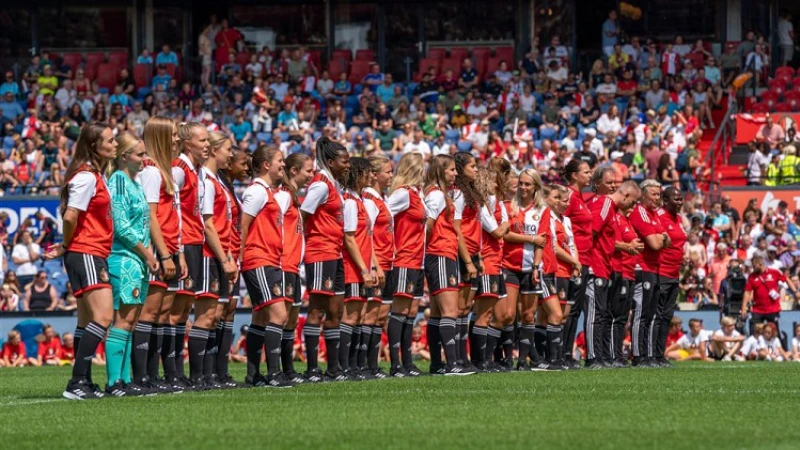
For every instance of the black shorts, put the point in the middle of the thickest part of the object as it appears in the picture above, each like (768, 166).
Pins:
(355, 292)
(325, 277)
(462, 269)
(215, 283)
(291, 288)
(491, 286)
(86, 272)
(381, 294)
(171, 285)
(406, 283)
(547, 283)
(562, 288)
(522, 281)
(442, 274)
(192, 284)
(265, 286)
(577, 288)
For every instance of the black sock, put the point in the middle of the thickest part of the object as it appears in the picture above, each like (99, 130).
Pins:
(141, 345)
(153, 353)
(273, 334)
(287, 350)
(224, 348)
(479, 340)
(76, 342)
(168, 351)
(553, 342)
(93, 334)
(473, 349)
(363, 346)
(210, 358)
(507, 342)
(180, 337)
(435, 342)
(198, 340)
(457, 338)
(374, 347)
(355, 343)
(396, 323)
(540, 341)
(311, 336)
(447, 331)
(463, 330)
(405, 342)
(332, 346)
(526, 344)
(492, 344)
(254, 343)
(345, 339)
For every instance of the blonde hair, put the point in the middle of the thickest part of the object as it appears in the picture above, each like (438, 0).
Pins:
(377, 162)
(216, 140)
(410, 171)
(158, 142)
(126, 142)
(186, 132)
(538, 198)
(727, 321)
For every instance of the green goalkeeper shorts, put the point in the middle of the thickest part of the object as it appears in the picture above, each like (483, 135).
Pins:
(129, 281)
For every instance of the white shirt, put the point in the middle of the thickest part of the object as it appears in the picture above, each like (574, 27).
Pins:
(479, 138)
(441, 149)
(755, 162)
(435, 204)
(317, 194)
(527, 102)
(734, 334)
(596, 147)
(476, 110)
(324, 87)
(81, 190)
(422, 148)
(688, 342)
(21, 251)
(606, 124)
(784, 32)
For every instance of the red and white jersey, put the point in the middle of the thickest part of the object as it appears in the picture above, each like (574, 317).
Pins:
(625, 263)
(646, 222)
(443, 241)
(581, 219)
(264, 245)
(672, 256)
(325, 226)
(236, 223)
(190, 187)
(383, 231)
(408, 210)
(168, 206)
(293, 243)
(493, 214)
(566, 240)
(470, 222)
(529, 221)
(217, 203)
(358, 222)
(604, 211)
(94, 230)
(549, 257)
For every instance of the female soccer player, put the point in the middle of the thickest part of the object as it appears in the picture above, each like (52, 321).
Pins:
(577, 174)
(379, 300)
(324, 230)
(358, 257)
(88, 237)
(522, 253)
(491, 285)
(156, 178)
(238, 170)
(406, 285)
(187, 174)
(261, 253)
(441, 269)
(130, 262)
(219, 267)
(467, 202)
(298, 172)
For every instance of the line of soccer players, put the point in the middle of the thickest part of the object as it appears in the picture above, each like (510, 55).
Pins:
(154, 229)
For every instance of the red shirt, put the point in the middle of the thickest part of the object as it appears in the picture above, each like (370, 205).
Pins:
(66, 353)
(627, 262)
(236, 224)
(50, 349)
(264, 245)
(190, 193)
(217, 203)
(761, 285)
(382, 231)
(443, 240)
(94, 230)
(492, 249)
(646, 223)
(325, 226)
(674, 337)
(604, 210)
(166, 206)
(529, 222)
(361, 227)
(13, 351)
(581, 219)
(406, 206)
(292, 234)
(549, 258)
(470, 223)
(564, 240)
(672, 256)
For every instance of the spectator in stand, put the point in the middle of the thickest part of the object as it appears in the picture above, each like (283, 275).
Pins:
(786, 38)
(418, 145)
(610, 33)
(773, 348)
(145, 57)
(40, 295)
(162, 78)
(49, 348)
(385, 90)
(11, 110)
(757, 163)
(241, 130)
(468, 78)
(25, 254)
(9, 300)
(756, 61)
(618, 60)
(692, 346)
(9, 85)
(14, 351)
(228, 37)
(374, 78)
(167, 56)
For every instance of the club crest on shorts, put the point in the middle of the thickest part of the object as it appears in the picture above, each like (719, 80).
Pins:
(328, 284)
(646, 285)
(562, 294)
(135, 293)
(215, 286)
(276, 289)
(103, 275)
(376, 292)
(493, 288)
(289, 290)
(188, 283)
(362, 291)
(410, 288)
(598, 282)
(623, 291)
(452, 280)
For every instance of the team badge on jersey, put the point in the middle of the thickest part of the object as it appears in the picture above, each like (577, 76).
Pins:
(215, 286)
(104, 275)
(598, 282)
(135, 293)
(646, 285)
(289, 290)
(410, 288)
(276, 289)
(452, 280)
(623, 290)
(328, 284)
(494, 288)
(188, 283)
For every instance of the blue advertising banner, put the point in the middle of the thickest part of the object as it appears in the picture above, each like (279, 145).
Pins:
(20, 208)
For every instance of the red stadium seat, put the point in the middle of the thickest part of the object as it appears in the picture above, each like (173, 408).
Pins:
(315, 58)
(761, 108)
(427, 63)
(778, 85)
(344, 54)
(783, 107)
(92, 61)
(494, 63)
(142, 74)
(505, 53)
(791, 96)
(784, 72)
(436, 53)
(243, 58)
(459, 53)
(365, 55)
(451, 64)
(794, 104)
(749, 102)
(359, 69)
(795, 82)
(770, 96)
(118, 58)
(336, 68)
(480, 56)
(172, 70)
(73, 60)
(107, 75)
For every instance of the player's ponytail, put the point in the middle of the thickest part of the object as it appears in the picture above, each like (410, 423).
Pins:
(328, 150)
(158, 132)
(85, 153)
(294, 161)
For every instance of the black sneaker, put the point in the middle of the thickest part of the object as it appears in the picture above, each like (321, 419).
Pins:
(134, 390)
(278, 380)
(96, 389)
(335, 376)
(619, 364)
(144, 387)
(80, 390)
(573, 364)
(662, 363)
(352, 375)
(398, 372)
(640, 362)
(165, 388)
(256, 381)
(438, 370)
(379, 374)
(177, 384)
(212, 382)
(481, 367)
(456, 371)
(414, 371)
(116, 390)
(295, 377)
(366, 374)
(313, 376)
(595, 365)
(197, 384)
(550, 366)
(227, 381)
(468, 368)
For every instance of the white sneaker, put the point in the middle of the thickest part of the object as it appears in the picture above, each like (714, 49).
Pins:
(726, 358)
(738, 357)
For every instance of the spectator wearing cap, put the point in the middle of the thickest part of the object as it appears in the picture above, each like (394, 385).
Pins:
(9, 85)
(167, 56)
(620, 169)
(468, 79)
(374, 78)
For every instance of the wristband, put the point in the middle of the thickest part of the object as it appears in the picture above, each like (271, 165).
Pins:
(165, 258)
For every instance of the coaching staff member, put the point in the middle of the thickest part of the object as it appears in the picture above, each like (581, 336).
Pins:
(763, 291)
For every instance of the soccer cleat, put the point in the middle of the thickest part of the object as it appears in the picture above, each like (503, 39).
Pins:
(256, 381)
(640, 362)
(456, 371)
(295, 377)
(413, 371)
(197, 384)
(595, 365)
(313, 376)
(212, 382)
(468, 368)
(619, 364)
(437, 370)
(522, 366)
(335, 376)
(143, 388)
(398, 372)
(165, 388)
(177, 385)
(278, 380)
(366, 374)
(134, 390)
(96, 389)
(116, 390)
(379, 374)
(572, 364)
(80, 390)
(662, 363)
(227, 382)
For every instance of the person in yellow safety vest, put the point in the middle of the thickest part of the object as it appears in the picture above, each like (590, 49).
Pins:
(773, 172)
(789, 173)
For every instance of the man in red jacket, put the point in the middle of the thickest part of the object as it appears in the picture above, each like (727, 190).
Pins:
(763, 291)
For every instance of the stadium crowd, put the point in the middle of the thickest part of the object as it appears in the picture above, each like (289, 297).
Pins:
(641, 111)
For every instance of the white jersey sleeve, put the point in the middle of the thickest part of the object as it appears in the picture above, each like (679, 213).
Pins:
(207, 207)
(284, 200)
(372, 210)
(350, 216)
(254, 199)
(398, 202)
(458, 205)
(150, 178)
(179, 177)
(488, 222)
(435, 204)
(82, 188)
(316, 195)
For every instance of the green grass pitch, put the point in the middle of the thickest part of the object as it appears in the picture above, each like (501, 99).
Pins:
(691, 406)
